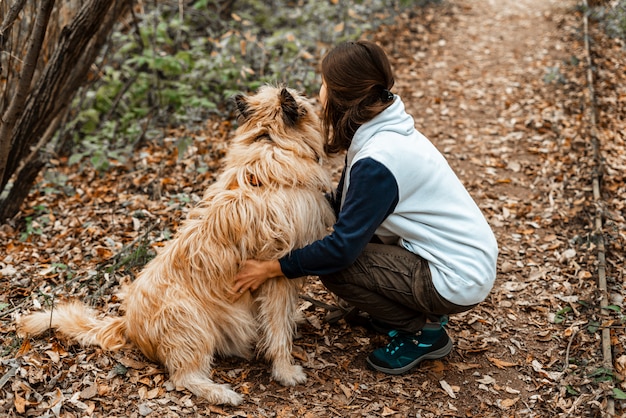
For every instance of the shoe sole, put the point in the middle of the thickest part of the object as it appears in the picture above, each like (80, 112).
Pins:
(433, 355)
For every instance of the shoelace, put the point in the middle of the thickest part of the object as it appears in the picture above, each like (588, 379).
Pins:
(397, 340)
(395, 343)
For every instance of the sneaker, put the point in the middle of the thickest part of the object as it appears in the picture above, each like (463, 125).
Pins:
(407, 350)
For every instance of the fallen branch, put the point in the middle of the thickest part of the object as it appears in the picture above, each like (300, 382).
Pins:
(596, 180)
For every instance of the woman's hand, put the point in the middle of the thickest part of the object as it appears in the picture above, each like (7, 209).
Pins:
(253, 274)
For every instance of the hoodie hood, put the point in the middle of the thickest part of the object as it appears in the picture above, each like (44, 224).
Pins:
(394, 119)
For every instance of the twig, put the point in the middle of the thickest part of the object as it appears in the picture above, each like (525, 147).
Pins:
(597, 174)
(14, 12)
(118, 99)
(320, 304)
(569, 345)
(127, 247)
(8, 375)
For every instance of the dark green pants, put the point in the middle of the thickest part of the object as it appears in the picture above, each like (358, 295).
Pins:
(392, 285)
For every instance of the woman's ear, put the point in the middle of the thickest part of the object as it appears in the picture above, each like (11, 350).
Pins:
(242, 106)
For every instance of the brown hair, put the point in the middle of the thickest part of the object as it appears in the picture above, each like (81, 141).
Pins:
(358, 78)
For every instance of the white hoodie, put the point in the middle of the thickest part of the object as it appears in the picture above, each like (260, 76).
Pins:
(435, 216)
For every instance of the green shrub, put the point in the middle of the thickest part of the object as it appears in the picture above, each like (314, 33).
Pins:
(167, 71)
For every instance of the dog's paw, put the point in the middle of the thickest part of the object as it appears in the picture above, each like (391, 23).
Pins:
(224, 395)
(218, 394)
(289, 376)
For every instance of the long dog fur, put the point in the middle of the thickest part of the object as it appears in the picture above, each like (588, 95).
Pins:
(268, 200)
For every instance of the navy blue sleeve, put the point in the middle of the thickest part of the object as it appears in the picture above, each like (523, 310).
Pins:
(335, 199)
(371, 196)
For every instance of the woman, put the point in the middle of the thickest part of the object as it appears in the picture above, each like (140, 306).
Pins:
(410, 246)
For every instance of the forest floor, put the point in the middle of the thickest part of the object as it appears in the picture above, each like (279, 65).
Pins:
(500, 88)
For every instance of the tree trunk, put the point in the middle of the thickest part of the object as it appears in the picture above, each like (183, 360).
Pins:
(67, 68)
(16, 107)
(27, 175)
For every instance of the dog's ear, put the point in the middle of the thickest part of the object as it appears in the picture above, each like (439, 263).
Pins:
(242, 106)
(291, 111)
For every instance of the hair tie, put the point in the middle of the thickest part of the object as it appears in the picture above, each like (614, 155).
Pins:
(386, 96)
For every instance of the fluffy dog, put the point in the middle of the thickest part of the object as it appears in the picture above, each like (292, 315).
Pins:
(180, 311)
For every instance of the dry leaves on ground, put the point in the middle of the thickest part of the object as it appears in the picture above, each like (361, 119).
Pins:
(500, 88)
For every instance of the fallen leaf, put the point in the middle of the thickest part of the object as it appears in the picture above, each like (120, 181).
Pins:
(54, 356)
(89, 392)
(153, 393)
(436, 366)
(24, 348)
(465, 366)
(20, 404)
(299, 353)
(486, 380)
(388, 412)
(507, 403)
(449, 389)
(132, 364)
(346, 390)
(550, 375)
(501, 364)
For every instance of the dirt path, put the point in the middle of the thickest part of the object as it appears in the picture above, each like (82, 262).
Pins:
(489, 88)
(499, 87)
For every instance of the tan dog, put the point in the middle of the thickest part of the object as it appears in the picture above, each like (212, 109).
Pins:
(268, 200)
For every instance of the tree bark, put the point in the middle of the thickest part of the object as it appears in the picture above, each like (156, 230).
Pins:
(76, 50)
(27, 175)
(7, 22)
(10, 117)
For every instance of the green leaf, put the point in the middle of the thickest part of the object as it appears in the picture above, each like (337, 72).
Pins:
(120, 369)
(90, 119)
(593, 327)
(200, 4)
(619, 394)
(100, 161)
(75, 158)
(602, 374)
(202, 102)
(613, 308)
(559, 317)
(3, 306)
(565, 310)
(583, 303)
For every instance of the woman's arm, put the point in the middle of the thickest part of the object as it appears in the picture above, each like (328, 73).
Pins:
(371, 197)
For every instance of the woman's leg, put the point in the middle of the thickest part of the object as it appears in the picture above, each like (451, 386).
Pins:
(393, 285)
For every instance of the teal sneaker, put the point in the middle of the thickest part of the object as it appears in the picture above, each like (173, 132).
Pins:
(406, 350)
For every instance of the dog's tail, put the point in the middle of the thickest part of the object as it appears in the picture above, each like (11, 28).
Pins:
(79, 322)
